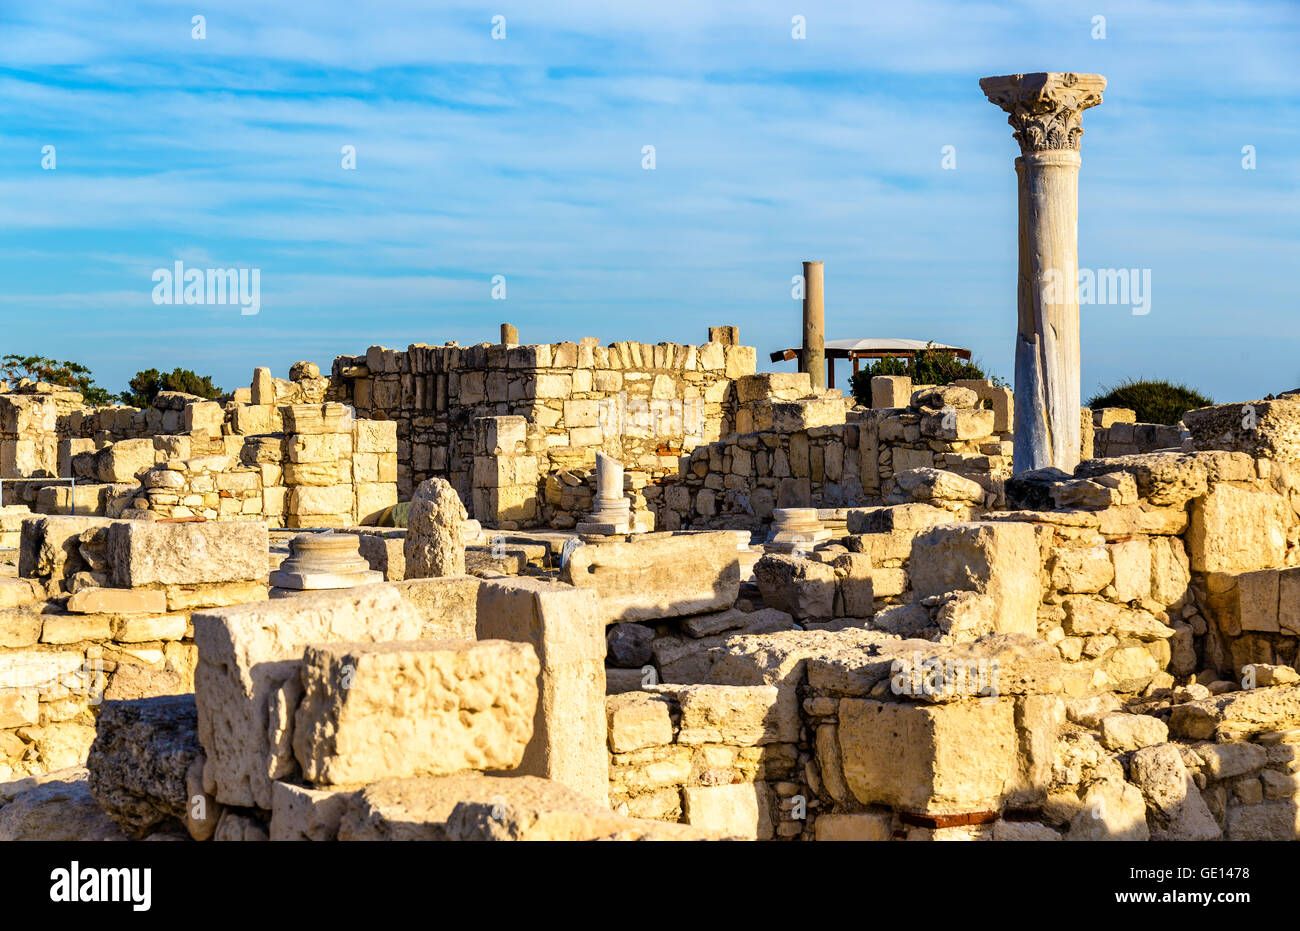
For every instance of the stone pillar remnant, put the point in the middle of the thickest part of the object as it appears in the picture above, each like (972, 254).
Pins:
(1046, 109)
(509, 335)
(322, 561)
(435, 532)
(795, 530)
(814, 326)
(613, 512)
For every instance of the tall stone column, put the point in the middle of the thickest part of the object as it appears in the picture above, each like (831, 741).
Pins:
(814, 325)
(1045, 110)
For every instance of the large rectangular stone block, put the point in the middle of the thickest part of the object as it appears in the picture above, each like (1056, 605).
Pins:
(148, 553)
(1235, 529)
(564, 625)
(658, 575)
(996, 558)
(374, 711)
(958, 757)
(447, 606)
(247, 680)
(1244, 601)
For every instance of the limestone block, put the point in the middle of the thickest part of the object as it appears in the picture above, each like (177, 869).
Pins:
(1110, 810)
(739, 810)
(447, 605)
(913, 517)
(1233, 529)
(314, 473)
(935, 486)
(146, 553)
(75, 628)
(637, 720)
(139, 760)
(435, 536)
(470, 806)
(262, 389)
(1122, 732)
(58, 808)
(1261, 429)
(372, 499)
(856, 589)
(856, 826)
(374, 711)
(1288, 607)
(628, 645)
(1081, 569)
(1245, 601)
(312, 500)
(565, 626)
(250, 420)
(956, 757)
(658, 575)
(124, 460)
(785, 386)
(890, 391)
(117, 601)
(737, 715)
(326, 447)
(302, 813)
(330, 417)
(19, 628)
(250, 654)
(1268, 821)
(1175, 808)
(374, 436)
(802, 588)
(1170, 570)
(204, 417)
(999, 559)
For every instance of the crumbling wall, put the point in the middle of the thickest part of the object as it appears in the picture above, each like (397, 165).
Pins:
(112, 623)
(642, 403)
(738, 482)
(724, 758)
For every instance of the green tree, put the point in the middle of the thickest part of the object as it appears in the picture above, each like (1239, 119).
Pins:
(145, 385)
(929, 367)
(66, 374)
(1152, 401)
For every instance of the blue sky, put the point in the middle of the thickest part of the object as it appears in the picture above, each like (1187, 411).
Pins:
(522, 157)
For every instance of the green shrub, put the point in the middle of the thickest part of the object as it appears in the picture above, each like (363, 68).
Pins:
(929, 367)
(1152, 401)
(144, 387)
(53, 372)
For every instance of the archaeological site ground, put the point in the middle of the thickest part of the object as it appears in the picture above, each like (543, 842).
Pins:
(537, 585)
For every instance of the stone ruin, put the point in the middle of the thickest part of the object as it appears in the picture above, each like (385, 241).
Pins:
(572, 591)
(861, 625)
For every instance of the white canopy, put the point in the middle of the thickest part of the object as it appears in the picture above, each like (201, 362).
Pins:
(882, 344)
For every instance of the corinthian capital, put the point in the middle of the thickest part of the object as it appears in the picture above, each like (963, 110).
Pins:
(1046, 108)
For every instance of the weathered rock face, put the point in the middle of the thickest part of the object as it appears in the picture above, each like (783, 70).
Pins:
(145, 553)
(564, 626)
(247, 684)
(472, 806)
(1262, 429)
(388, 710)
(932, 758)
(993, 558)
(654, 576)
(58, 807)
(629, 645)
(435, 535)
(803, 588)
(1175, 808)
(140, 758)
(1235, 528)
